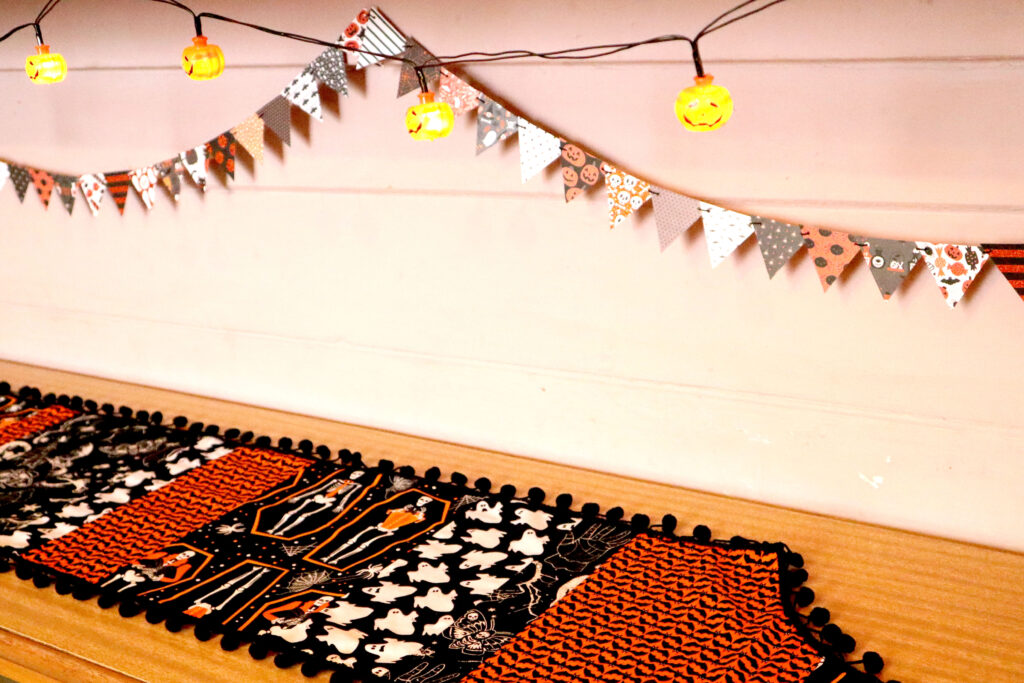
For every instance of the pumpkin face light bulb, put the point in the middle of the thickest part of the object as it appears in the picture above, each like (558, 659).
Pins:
(201, 61)
(703, 106)
(428, 120)
(45, 66)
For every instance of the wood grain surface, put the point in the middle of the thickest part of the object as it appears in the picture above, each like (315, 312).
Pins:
(936, 610)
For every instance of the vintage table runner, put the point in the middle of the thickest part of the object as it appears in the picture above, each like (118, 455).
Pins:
(378, 573)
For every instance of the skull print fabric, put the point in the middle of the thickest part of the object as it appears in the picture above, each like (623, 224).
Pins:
(954, 267)
(890, 260)
(724, 230)
(626, 193)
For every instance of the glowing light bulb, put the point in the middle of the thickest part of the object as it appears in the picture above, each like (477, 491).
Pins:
(429, 120)
(202, 62)
(703, 106)
(45, 67)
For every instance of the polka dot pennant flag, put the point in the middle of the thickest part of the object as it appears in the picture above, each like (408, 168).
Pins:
(626, 193)
(407, 80)
(44, 184)
(954, 267)
(724, 230)
(144, 181)
(194, 161)
(674, 214)
(93, 186)
(118, 183)
(373, 34)
(5, 173)
(220, 151)
(460, 95)
(277, 116)
(778, 241)
(65, 188)
(890, 260)
(831, 251)
(170, 172)
(493, 124)
(20, 179)
(580, 170)
(1009, 259)
(537, 148)
(329, 69)
(249, 134)
(304, 94)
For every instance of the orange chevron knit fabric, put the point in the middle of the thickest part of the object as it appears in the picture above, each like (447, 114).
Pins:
(29, 422)
(146, 525)
(663, 610)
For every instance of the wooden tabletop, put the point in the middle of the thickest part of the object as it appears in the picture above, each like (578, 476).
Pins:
(936, 610)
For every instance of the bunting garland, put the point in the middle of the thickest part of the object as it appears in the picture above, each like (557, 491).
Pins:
(954, 266)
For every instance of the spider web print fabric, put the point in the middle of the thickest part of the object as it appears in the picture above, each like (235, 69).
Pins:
(376, 573)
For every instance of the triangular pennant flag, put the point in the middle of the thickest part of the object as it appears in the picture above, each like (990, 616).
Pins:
(537, 148)
(277, 116)
(456, 92)
(221, 151)
(44, 184)
(118, 183)
(194, 161)
(580, 170)
(626, 193)
(831, 251)
(66, 190)
(144, 182)
(21, 180)
(375, 35)
(93, 187)
(493, 124)
(890, 260)
(954, 267)
(304, 94)
(5, 173)
(724, 230)
(249, 134)
(329, 69)
(170, 172)
(1009, 259)
(674, 214)
(778, 241)
(407, 80)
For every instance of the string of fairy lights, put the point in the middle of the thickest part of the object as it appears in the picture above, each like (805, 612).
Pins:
(703, 106)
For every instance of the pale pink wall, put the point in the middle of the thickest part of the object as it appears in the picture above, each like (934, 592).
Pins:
(363, 277)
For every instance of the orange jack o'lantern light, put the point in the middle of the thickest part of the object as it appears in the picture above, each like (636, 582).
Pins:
(703, 106)
(429, 120)
(45, 67)
(202, 62)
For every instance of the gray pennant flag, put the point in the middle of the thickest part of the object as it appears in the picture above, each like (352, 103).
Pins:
(890, 260)
(779, 242)
(674, 214)
(277, 116)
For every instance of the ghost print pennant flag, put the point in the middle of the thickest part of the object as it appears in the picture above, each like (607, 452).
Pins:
(329, 68)
(118, 183)
(65, 188)
(778, 241)
(954, 267)
(93, 187)
(1009, 259)
(249, 134)
(407, 79)
(674, 214)
(43, 182)
(277, 116)
(537, 148)
(890, 260)
(304, 94)
(626, 193)
(494, 123)
(20, 179)
(144, 181)
(374, 37)
(831, 251)
(194, 161)
(580, 170)
(724, 230)
(461, 96)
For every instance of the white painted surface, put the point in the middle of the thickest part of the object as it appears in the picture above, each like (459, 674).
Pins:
(359, 276)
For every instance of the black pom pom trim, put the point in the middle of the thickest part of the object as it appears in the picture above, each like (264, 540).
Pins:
(483, 484)
(702, 533)
(563, 501)
(873, 662)
(262, 442)
(286, 660)
(385, 465)
(180, 421)
(174, 624)
(230, 641)
(459, 479)
(432, 474)
(284, 443)
(590, 510)
(819, 616)
(669, 523)
(536, 495)
(640, 522)
(129, 609)
(259, 649)
(311, 668)
(508, 491)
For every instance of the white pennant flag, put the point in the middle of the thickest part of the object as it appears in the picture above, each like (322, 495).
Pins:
(537, 148)
(194, 161)
(5, 173)
(954, 267)
(93, 186)
(304, 94)
(144, 181)
(724, 230)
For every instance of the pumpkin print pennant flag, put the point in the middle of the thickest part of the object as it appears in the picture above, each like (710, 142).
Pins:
(329, 68)
(724, 230)
(144, 181)
(374, 36)
(461, 96)
(65, 188)
(94, 187)
(249, 134)
(890, 260)
(778, 241)
(44, 185)
(493, 124)
(954, 267)
(277, 116)
(220, 151)
(407, 80)
(537, 148)
(674, 214)
(194, 161)
(580, 170)
(626, 193)
(1009, 259)
(831, 251)
(304, 94)
(20, 179)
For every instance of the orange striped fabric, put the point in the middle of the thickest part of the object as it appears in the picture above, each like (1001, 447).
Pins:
(118, 183)
(1009, 259)
(29, 422)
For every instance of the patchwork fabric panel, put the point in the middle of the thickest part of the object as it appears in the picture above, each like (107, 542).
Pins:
(137, 529)
(664, 610)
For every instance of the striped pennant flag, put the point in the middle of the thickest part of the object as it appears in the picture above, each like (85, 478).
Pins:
(118, 183)
(1009, 259)
(370, 31)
